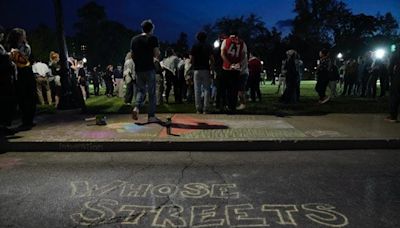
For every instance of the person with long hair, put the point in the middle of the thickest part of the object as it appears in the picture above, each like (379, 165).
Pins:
(7, 88)
(20, 53)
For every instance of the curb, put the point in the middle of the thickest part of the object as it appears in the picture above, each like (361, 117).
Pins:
(259, 145)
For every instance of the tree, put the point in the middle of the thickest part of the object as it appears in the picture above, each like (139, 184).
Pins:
(387, 25)
(251, 29)
(101, 40)
(43, 40)
(69, 97)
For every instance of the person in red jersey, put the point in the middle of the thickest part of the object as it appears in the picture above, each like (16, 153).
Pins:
(233, 50)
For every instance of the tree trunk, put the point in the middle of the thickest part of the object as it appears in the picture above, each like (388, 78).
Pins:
(70, 98)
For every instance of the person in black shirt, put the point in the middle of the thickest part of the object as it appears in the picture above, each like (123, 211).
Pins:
(109, 81)
(96, 80)
(144, 48)
(7, 89)
(220, 100)
(201, 56)
(82, 80)
(21, 55)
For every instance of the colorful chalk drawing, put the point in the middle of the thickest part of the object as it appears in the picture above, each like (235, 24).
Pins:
(98, 210)
(125, 127)
(101, 134)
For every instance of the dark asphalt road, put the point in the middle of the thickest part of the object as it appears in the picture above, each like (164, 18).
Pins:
(182, 189)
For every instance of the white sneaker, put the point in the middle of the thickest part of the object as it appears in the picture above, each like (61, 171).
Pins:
(241, 107)
(153, 119)
(325, 99)
(135, 113)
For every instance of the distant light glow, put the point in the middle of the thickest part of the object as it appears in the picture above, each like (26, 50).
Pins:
(340, 56)
(393, 47)
(379, 53)
(262, 62)
(217, 43)
(84, 60)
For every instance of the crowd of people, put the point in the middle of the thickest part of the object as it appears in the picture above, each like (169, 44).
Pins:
(220, 78)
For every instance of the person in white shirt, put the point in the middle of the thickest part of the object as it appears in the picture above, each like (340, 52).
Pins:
(129, 75)
(170, 65)
(42, 72)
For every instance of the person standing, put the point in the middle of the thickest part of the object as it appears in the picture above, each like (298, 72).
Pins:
(7, 89)
(42, 73)
(144, 48)
(119, 81)
(323, 71)
(378, 70)
(243, 78)
(96, 80)
(170, 64)
(289, 95)
(20, 53)
(300, 70)
(55, 68)
(350, 77)
(129, 78)
(233, 50)
(159, 81)
(82, 79)
(220, 99)
(109, 81)
(394, 71)
(255, 69)
(201, 56)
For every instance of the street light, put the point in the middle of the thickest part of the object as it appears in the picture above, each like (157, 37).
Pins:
(84, 60)
(262, 62)
(217, 43)
(393, 48)
(379, 53)
(340, 56)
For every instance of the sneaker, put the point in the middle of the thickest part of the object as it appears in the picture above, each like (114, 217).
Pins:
(153, 119)
(135, 113)
(390, 120)
(241, 107)
(324, 100)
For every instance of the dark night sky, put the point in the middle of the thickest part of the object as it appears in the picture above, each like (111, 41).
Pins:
(170, 16)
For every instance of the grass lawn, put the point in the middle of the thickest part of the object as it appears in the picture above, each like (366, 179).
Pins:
(307, 106)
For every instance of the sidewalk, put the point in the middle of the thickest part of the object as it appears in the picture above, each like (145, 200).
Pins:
(67, 131)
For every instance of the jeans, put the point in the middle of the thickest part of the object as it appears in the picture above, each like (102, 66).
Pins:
(230, 81)
(202, 82)
(148, 79)
(109, 87)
